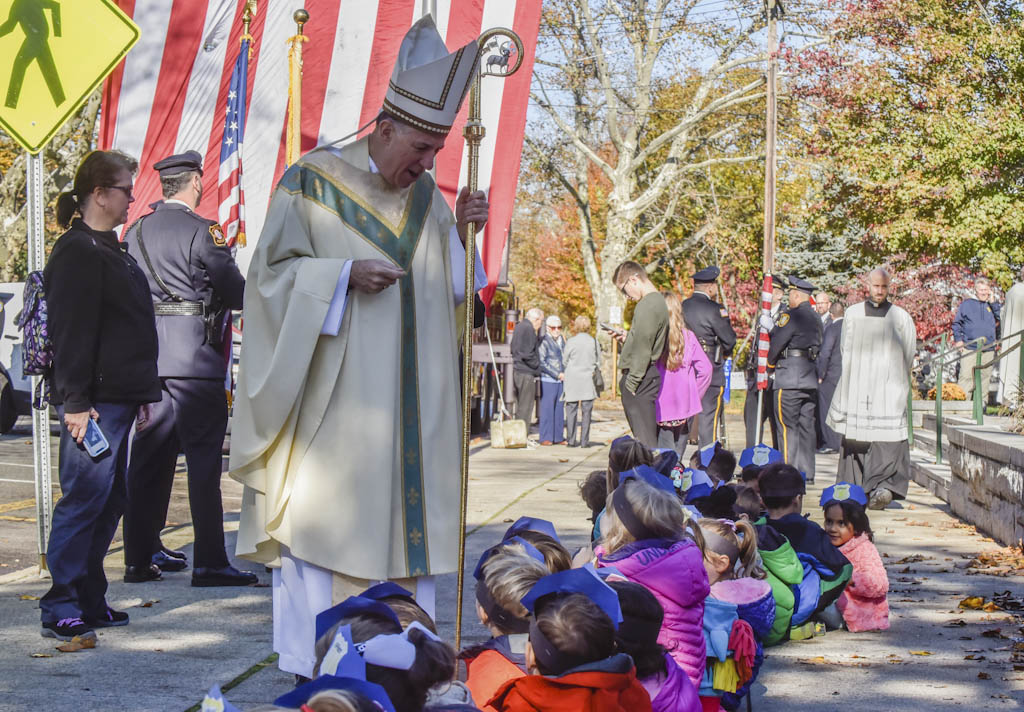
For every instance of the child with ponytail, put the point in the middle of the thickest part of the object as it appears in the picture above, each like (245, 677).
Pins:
(738, 613)
(646, 536)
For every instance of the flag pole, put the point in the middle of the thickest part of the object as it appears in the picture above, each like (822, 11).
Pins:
(293, 140)
(474, 133)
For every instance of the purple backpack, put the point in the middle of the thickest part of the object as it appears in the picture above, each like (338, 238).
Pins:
(37, 348)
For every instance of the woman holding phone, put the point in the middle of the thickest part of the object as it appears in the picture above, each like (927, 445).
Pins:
(100, 321)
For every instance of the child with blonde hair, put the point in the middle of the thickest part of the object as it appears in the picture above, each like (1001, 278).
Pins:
(646, 537)
(738, 612)
(506, 574)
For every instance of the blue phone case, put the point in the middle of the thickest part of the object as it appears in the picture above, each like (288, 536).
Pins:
(95, 441)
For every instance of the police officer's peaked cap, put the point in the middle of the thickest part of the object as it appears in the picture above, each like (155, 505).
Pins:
(708, 274)
(801, 285)
(779, 282)
(179, 163)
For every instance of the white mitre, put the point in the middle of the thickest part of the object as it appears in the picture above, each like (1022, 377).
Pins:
(429, 83)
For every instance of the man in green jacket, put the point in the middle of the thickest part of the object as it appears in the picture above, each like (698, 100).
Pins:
(641, 348)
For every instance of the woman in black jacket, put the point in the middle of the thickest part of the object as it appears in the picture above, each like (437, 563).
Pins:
(100, 320)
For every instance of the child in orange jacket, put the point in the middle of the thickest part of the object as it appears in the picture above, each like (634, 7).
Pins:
(504, 575)
(863, 604)
(571, 653)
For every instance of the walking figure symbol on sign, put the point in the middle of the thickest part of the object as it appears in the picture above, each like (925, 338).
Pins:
(30, 14)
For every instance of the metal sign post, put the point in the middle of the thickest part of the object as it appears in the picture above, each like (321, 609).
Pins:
(40, 418)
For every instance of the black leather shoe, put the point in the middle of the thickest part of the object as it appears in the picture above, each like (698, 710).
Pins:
(572, 445)
(227, 576)
(173, 553)
(141, 574)
(168, 563)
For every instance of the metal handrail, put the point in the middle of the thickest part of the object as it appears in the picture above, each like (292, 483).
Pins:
(944, 357)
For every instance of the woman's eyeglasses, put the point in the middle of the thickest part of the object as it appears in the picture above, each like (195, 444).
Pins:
(126, 189)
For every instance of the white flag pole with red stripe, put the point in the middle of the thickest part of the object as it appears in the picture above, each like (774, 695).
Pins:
(762, 352)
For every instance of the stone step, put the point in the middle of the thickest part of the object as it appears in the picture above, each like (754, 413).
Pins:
(924, 471)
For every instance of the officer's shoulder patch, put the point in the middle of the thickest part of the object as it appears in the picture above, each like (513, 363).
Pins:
(724, 312)
(783, 319)
(217, 233)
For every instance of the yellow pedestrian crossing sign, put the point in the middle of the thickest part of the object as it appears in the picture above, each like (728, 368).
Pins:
(53, 54)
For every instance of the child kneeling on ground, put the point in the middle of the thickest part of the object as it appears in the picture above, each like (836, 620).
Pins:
(647, 538)
(571, 653)
(506, 574)
(863, 603)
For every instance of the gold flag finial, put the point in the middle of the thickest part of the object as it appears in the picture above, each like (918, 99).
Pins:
(293, 140)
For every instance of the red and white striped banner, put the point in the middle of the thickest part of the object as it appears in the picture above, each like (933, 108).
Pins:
(170, 93)
(762, 334)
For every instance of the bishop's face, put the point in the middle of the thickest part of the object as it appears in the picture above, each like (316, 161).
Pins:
(405, 153)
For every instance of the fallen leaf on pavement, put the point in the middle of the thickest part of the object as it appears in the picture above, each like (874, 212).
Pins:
(920, 652)
(974, 657)
(993, 633)
(973, 603)
(40, 655)
(984, 676)
(990, 607)
(149, 604)
(76, 644)
(563, 459)
(958, 623)
(28, 597)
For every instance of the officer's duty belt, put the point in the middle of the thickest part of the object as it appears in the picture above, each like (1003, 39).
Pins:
(179, 308)
(792, 353)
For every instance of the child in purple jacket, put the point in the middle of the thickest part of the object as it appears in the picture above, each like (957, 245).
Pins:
(645, 535)
(685, 375)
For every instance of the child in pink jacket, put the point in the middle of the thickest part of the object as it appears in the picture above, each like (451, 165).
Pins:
(646, 536)
(863, 604)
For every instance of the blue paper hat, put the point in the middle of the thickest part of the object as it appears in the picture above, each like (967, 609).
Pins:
(664, 460)
(387, 589)
(707, 454)
(215, 702)
(351, 606)
(760, 456)
(478, 572)
(532, 524)
(584, 581)
(695, 484)
(342, 658)
(646, 473)
(301, 694)
(842, 491)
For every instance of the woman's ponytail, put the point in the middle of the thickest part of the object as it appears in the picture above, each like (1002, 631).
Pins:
(67, 206)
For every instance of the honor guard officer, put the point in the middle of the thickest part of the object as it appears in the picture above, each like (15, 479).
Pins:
(795, 341)
(709, 321)
(194, 282)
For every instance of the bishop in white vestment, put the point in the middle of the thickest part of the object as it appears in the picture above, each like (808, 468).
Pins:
(348, 417)
(869, 407)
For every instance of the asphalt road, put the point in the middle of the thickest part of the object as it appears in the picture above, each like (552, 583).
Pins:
(18, 528)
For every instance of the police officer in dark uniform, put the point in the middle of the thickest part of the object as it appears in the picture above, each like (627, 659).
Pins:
(755, 428)
(194, 282)
(709, 321)
(795, 342)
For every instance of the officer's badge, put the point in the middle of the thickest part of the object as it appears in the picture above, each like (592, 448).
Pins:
(784, 319)
(217, 233)
(724, 312)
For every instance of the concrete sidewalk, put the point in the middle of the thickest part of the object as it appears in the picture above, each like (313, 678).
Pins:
(191, 638)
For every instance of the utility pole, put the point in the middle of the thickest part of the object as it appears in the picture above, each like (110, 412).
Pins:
(774, 11)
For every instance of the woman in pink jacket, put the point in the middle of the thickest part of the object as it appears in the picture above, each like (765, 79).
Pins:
(645, 535)
(685, 375)
(863, 604)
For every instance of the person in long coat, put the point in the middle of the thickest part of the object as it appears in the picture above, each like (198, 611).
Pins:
(580, 358)
(830, 367)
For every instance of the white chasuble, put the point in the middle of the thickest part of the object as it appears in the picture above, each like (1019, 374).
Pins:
(348, 445)
(870, 402)
(1012, 322)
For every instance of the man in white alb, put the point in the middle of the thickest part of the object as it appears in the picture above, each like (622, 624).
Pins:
(347, 424)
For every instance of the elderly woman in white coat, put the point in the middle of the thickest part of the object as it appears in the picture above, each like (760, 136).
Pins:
(581, 359)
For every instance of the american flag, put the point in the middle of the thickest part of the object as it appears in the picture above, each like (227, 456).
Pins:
(762, 335)
(170, 93)
(231, 196)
